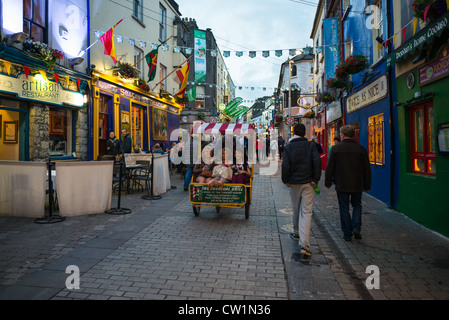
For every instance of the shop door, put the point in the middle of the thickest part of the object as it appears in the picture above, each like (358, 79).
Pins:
(105, 122)
(13, 131)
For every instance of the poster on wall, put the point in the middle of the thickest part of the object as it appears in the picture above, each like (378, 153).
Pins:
(68, 22)
(160, 125)
(200, 56)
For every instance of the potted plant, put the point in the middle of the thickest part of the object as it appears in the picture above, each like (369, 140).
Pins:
(43, 52)
(325, 97)
(436, 8)
(341, 72)
(142, 85)
(356, 63)
(127, 71)
(336, 83)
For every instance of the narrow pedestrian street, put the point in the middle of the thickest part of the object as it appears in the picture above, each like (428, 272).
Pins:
(161, 251)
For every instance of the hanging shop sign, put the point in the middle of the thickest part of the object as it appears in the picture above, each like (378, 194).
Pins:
(200, 56)
(437, 69)
(331, 51)
(334, 111)
(375, 91)
(40, 90)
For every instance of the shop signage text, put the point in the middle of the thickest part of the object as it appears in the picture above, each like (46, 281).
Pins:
(373, 92)
(37, 90)
(437, 69)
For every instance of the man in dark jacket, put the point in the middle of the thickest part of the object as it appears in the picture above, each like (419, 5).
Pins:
(349, 168)
(301, 171)
(127, 144)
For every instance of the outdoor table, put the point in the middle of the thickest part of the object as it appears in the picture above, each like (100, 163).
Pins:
(160, 175)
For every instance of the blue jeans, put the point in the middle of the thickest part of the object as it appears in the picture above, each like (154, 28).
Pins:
(188, 177)
(348, 224)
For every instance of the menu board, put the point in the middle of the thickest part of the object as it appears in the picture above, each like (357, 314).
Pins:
(232, 194)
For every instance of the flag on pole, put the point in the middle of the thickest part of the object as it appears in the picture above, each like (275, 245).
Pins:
(109, 45)
(183, 76)
(191, 94)
(152, 63)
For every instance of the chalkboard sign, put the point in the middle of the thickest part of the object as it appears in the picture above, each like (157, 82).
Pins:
(232, 194)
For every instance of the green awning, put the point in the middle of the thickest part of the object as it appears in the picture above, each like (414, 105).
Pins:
(425, 36)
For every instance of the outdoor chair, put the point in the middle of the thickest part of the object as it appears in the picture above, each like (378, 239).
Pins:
(116, 178)
(141, 177)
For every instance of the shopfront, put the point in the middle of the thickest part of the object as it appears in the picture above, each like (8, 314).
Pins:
(422, 66)
(117, 105)
(40, 117)
(334, 121)
(368, 111)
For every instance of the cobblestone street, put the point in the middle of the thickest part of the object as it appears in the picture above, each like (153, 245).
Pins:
(162, 251)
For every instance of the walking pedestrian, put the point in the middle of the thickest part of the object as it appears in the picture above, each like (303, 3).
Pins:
(349, 169)
(127, 142)
(281, 143)
(301, 170)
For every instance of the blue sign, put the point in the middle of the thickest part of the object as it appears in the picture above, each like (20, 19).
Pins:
(331, 46)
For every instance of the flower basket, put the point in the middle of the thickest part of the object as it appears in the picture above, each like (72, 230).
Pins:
(341, 72)
(43, 52)
(437, 8)
(127, 71)
(336, 83)
(356, 63)
(325, 97)
(310, 115)
(142, 85)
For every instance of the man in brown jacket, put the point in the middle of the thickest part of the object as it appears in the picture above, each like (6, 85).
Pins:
(349, 169)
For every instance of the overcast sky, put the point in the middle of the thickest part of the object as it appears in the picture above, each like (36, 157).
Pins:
(249, 25)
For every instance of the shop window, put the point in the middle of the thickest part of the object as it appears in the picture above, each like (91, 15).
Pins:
(35, 19)
(137, 126)
(162, 75)
(422, 139)
(200, 97)
(60, 133)
(376, 142)
(103, 119)
(138, 60)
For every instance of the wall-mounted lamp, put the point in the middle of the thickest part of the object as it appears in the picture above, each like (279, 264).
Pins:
(75, 61)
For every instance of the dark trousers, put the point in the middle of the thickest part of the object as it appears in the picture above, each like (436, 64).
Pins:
(350, 224)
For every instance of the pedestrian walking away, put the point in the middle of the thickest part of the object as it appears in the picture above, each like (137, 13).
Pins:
(301, 171)
(349, 169)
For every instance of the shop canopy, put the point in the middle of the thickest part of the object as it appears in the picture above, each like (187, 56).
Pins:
(223, 129)
(422, 38)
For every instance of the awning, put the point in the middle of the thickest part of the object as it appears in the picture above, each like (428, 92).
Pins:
(223, 129)
(425, 36)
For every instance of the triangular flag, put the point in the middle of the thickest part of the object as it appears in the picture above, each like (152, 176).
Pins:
(184, 75)
(79, 83)
(56, 77)
(426, 12)
(191, 94)
(415, 24)
(379, 47)
(67, 80)
(404, 30)
(43, 74)
(26, 70)
(394, 40)
(386, 44)
(7, 65)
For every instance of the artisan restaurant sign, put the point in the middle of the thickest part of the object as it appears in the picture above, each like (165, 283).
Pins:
(40, 90)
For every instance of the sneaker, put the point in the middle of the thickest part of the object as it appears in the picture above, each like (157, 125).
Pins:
(294, 236)
(305, 252)
(347, 238)
(357, 234)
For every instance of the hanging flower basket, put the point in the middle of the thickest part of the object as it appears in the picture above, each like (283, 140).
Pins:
(336, 83)
(127, 71)
(356, 63)
(142, 85)
(325, 97)
(437, 8)
(43, 52)
(341, 72)
(310, 115)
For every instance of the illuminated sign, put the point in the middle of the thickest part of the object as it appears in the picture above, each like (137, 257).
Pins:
(37, 90)
(375, 91)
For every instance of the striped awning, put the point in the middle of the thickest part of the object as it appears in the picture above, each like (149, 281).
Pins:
(223, 128)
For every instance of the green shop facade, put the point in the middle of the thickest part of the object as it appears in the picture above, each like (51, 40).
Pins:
(422, 126)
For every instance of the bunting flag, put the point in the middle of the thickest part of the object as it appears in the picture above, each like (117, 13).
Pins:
(152, 63)
(67, 80)
(213, 53)
(252, 54)
(191, 94)
(265, 54)
(56, 77)
(132, 42)
(379, 47)
(404, 30)
(415, 24)
(226, 54)
(7, 65)
(43, 74)
(142, 44)
(78, 80)
(109, 46)
(119, 39)
(394, 41)
(426, 12)
(26, 70)
(239, 53)
(183, 75)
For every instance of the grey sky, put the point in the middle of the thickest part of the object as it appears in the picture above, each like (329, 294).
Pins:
(249, 25)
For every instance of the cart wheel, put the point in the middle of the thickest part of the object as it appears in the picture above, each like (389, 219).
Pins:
(247, 206)
(217, 208)
(196, 210)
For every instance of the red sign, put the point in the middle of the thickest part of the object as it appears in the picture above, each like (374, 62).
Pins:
(436, 69)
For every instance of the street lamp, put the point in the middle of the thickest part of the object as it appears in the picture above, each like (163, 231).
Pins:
(290, 62)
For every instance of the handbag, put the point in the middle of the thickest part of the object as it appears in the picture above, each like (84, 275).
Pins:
(222, 171)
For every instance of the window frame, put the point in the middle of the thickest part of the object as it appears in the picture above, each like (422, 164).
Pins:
(31, 21)
(138, 60)
(426, 154)
(138, 10)
(162, 23)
